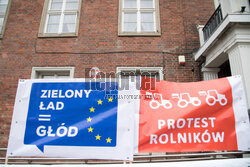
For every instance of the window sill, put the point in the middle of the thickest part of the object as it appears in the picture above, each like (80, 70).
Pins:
(152, 34)
(53, 35)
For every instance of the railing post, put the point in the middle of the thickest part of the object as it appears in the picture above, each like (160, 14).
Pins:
(6, 160)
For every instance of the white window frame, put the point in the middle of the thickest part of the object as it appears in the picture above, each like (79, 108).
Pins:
(138, 10)
(45, 17)
(53, 70)
(159, 70)
(5, 14)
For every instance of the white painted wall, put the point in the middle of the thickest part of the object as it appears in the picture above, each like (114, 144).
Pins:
(236, 5)
(201, 36)
(232, 6)
(216, 3)
(239, 58)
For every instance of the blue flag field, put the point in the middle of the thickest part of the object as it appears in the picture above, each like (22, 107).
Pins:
(72, 114)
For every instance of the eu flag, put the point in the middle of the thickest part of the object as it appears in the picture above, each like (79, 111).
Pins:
(72, 114)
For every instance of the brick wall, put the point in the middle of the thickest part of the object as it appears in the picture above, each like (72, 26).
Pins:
(97, 45)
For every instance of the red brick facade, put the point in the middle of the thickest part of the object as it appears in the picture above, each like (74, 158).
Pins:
(97, 44)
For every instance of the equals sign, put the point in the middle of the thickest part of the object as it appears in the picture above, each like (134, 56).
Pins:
(44, 117)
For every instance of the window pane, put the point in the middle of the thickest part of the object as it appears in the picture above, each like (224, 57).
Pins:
(1, 24)
(4, 2)
(63, 76)
(3, 8)
(53, 23)
(147, 4)
(48, 77)
(56, 4)
(69, 23)
(130, 4)
(147, 22)
(147, 27)
(71, 5)
(54, 19)
(130, 22)
(130, 17)
(53, 28)
(147, 17)
(130, 27)
(69, 18)
(69, 27)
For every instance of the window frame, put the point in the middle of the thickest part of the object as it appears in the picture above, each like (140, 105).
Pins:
(5, 19)
(156, 17)
(36, 70)
(44, 22)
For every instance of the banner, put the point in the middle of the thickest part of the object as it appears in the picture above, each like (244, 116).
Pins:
(76, 118)
(189, 117)
(71, 118)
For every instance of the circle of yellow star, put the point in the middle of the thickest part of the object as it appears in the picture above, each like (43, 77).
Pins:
(98, 137)
(108, 140)
(99, 102)
(90, 129)
(92, 109)
(89, 119)
(110, 99)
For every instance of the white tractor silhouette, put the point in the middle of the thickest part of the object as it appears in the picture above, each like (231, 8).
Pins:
(154, 104)
(213, 96)
(185, 99)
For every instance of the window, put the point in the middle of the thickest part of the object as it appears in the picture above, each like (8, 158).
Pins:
(4, 8)
(139, 17)
(152, 72)
(60, 18)
(52, 72)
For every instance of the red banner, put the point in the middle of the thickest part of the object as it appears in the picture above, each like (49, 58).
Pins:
(187, 117)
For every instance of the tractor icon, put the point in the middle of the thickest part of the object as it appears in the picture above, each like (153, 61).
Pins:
(185, 99)
(154, 104)
(213, 96)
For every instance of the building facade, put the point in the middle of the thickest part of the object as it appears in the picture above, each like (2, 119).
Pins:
(66, 38)
(225, 42)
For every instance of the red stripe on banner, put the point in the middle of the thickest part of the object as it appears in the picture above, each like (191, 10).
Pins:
(186, 117)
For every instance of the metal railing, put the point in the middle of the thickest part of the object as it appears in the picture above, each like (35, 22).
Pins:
(212, 24)
(138, 158)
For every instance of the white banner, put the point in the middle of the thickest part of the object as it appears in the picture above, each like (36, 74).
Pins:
(72, 118)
